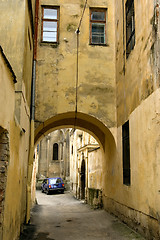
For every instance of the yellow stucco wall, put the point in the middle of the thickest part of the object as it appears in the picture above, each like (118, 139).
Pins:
(17, 42)
(56, 66)
(12, 203)
(138, 100)
(139, 81)
(95, 169)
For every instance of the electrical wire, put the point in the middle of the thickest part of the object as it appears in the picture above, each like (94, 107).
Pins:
(85, 5)
(77, 62)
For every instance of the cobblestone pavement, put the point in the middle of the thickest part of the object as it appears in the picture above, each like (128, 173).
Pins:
(62, 217)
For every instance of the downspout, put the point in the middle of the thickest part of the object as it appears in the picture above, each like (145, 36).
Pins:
(31, 154)
(124, 56)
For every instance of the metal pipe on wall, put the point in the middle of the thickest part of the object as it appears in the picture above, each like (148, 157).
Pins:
(31, 154)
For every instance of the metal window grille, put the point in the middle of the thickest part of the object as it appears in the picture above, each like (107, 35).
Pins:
(130, 27)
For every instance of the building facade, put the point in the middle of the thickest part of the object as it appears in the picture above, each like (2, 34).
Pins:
(97, 70)
(54, 156)
(117, 86)
(86, 168)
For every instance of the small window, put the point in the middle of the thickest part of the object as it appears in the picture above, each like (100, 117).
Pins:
(130, 27)
(98, 26)
(50, 24)
(72, 149)
(55, 151)
(126, 154)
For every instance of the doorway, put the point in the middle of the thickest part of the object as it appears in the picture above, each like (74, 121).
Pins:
(83, 179)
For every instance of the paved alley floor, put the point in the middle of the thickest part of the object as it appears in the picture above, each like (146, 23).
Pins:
(62, 217)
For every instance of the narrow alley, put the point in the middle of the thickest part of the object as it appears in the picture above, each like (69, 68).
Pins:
(62, 217)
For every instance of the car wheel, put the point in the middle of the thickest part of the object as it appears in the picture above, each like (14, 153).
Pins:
(62, 191)
(47, 192)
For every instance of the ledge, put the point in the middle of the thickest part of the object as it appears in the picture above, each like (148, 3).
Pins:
(8, 65)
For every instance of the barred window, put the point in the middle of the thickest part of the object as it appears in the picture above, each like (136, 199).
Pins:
(130, 26)
(98, 26)
(50, 24)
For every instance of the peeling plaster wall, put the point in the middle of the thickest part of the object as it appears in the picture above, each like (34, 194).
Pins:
(6, 117)
(17, 43)
(135, 76)
(138, 99)
(9, 159)
(56, 66)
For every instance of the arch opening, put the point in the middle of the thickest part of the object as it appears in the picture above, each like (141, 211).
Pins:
(81, 121)
(104, 138)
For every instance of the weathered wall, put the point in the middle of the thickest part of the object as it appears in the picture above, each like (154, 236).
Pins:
(56, 66)
(7, 98)
(138, 100)
(135, 77)
(83, 147)
(95, 168)
(73, 162)
(17, 42)
(13, 173)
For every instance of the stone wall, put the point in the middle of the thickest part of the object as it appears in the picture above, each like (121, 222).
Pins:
(4, 161)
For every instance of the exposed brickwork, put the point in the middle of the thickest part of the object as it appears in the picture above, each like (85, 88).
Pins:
(4, 159)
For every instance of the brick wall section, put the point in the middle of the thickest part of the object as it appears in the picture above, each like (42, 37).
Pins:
(4, 159)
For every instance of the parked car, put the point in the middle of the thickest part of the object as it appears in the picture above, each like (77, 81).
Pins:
(52, 185)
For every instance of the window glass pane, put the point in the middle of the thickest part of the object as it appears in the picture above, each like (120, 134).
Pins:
(52, 181)
(50, 13)
(97, 39)
(98, 33)
(98, 16)
(98, 28)
(58, 181)
(50, 36)
(50, 26)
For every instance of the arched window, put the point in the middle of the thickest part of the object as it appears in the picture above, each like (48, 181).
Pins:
(55, 151)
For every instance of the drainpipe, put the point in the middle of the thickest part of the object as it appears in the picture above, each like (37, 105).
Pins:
(31, 153)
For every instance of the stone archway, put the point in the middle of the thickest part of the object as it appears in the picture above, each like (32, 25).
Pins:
(93, 126)
(80, 120)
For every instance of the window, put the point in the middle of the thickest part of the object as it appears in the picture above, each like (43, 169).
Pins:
(130, 27)
(126, 154)
(72, 149)
(55, 151)
(98, 26)
(50, 24)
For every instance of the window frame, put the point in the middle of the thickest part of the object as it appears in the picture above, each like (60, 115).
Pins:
(131, 23)
(50, 20)
(96, 21)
